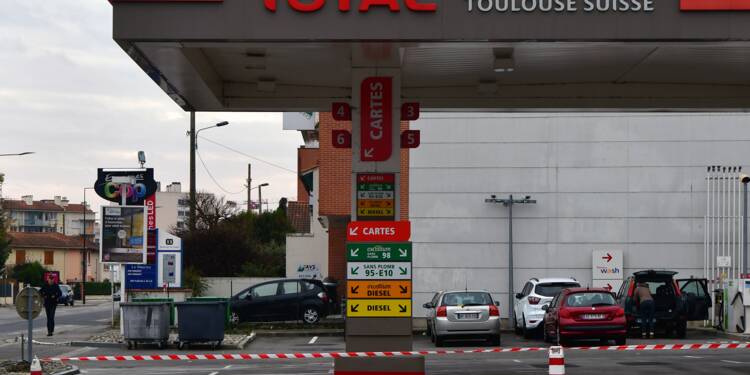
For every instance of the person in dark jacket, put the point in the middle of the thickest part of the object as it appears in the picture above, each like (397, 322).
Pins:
(51, 294)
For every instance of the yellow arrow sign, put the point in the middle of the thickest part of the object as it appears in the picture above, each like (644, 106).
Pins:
(378, 308)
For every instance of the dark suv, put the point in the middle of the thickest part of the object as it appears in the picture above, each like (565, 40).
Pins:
(281, 300)
(677, 300)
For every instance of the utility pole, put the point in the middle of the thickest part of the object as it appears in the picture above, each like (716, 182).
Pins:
(249, 191)
(509, 203)
(191, 223)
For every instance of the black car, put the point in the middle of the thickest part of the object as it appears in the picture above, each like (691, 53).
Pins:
(281, 300)
(677, 300)
(66, 295)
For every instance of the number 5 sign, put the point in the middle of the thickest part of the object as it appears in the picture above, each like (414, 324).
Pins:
(410, 139)
(341, 139)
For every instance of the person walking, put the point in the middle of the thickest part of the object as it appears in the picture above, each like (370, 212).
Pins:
(51, 294)
(647, 309)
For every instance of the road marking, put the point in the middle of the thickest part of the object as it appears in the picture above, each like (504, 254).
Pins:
(517, 361)
(214, 373)
(227, 367)
(693, 357)
(313, 340)
(732, 362)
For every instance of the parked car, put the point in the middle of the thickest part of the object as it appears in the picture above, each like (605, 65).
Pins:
(66, 295)
(529, 315)
(281, 300)
(677, 300)
(582, 313)
(463, 315)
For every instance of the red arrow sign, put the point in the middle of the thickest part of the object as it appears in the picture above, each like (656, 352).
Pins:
(608, 258)
(378, 231)
(376, 114)
(608, 287)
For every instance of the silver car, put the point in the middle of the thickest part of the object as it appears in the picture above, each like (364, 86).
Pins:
(463, 315)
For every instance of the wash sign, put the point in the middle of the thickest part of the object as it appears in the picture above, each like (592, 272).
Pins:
(607, 269)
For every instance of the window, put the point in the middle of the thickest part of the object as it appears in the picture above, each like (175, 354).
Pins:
(694, 287)
(308, 286)
(289, 287)
(526, 289)
(552, 289)
(265, 290)
(622, 288)
(467, 299)
(20, 256)
(590, 300)
(49, 258)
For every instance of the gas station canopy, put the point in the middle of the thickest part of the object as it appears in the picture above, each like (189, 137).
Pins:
(489, 55)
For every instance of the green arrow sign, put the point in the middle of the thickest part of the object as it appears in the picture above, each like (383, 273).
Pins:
(388, 252)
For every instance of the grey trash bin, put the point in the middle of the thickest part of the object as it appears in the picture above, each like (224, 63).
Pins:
(201, 322)
(145, 322)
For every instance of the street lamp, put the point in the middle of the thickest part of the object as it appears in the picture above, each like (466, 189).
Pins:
(194, 146)
(260, 197)
(509, 203)
(19, 154)
(85, 250)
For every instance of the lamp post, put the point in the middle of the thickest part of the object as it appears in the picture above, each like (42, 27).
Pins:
(193, 147)
(260, 197)
(509, 203)
(85, 250)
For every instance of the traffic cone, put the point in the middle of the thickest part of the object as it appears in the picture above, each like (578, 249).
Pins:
(556, 360)
(36, 367)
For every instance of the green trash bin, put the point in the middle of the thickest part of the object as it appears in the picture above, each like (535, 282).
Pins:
(171, 305)
(215, 299)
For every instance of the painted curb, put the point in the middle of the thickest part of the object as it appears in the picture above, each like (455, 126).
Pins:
(73, 371)
(92, 344)
(301, 333)
(248, 339)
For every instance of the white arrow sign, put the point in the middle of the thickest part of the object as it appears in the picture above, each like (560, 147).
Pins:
(378, 271)
(355, 252)
(353, 231)
(368, 153)
(404, 253)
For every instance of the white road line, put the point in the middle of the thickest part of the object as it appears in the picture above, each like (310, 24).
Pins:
(732, 362)
(313, 340)
(517, 361)
(214, 373)
(227, 367)
(692, 357)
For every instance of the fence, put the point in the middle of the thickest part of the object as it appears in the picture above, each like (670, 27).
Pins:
(229, 286)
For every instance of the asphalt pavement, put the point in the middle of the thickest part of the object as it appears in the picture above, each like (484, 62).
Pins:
(79, 322)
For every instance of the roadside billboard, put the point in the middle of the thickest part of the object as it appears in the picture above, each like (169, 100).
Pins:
(123, 235)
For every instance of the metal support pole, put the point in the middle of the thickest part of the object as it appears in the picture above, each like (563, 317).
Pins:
(260, 199)
(85, 253)
(30, 306)
(511, 297)
(249, 188)
(745, 181)
(192, 173)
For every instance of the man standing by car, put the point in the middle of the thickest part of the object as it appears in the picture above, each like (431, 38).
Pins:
(647, 308)
(51, 294)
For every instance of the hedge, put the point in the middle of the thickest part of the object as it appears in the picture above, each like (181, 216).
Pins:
(93, 289)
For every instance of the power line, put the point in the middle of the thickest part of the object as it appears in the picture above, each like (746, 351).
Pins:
(214, 179)
(248, 156)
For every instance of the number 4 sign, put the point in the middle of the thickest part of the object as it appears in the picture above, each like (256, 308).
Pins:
(341, 139)
(341, 112)
(410, 139)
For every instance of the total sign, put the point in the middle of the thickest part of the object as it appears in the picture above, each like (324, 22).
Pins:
(607, 265)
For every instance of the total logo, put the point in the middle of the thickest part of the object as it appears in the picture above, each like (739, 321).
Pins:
(364, 6)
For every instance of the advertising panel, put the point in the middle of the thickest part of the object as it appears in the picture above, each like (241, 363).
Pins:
(108, 188)
(123, 235)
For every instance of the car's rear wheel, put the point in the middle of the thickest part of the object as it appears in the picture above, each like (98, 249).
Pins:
(494, 340)
(526, 332)
(439, 341)
(310, 315)
(516, 327)
(234, 318)
(621, 341)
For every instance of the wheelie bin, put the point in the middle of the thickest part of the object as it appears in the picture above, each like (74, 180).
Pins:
(145, 322)
(200, 322)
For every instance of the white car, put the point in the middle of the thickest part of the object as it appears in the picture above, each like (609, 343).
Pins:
(536, 293)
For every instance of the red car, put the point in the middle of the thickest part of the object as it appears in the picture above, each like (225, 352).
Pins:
(582, 314)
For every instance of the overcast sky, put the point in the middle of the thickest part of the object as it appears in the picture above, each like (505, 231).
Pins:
(70, 94)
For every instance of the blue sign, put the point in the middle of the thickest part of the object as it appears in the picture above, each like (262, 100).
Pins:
(140, 276)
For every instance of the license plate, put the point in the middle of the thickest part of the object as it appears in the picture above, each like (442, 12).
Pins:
(592, 316)
(468, 316)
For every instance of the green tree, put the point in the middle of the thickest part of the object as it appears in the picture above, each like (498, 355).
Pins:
(4, 238)
(29, 273)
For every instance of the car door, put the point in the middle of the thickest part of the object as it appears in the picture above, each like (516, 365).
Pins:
(430, 314)
(287, 305)
(696, 297)
(260, 302)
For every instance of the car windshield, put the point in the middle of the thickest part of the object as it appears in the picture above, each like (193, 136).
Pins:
(467, 299)
(64, 288)
(589, 299)
(552, 289)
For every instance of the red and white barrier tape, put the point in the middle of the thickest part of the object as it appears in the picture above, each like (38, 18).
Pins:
(246, 357)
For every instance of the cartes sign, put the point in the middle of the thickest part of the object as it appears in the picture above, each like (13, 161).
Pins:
(386, 252)
(379, 289)
(378, 308)
(378, 271)
(378, 231)
(376, 116)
